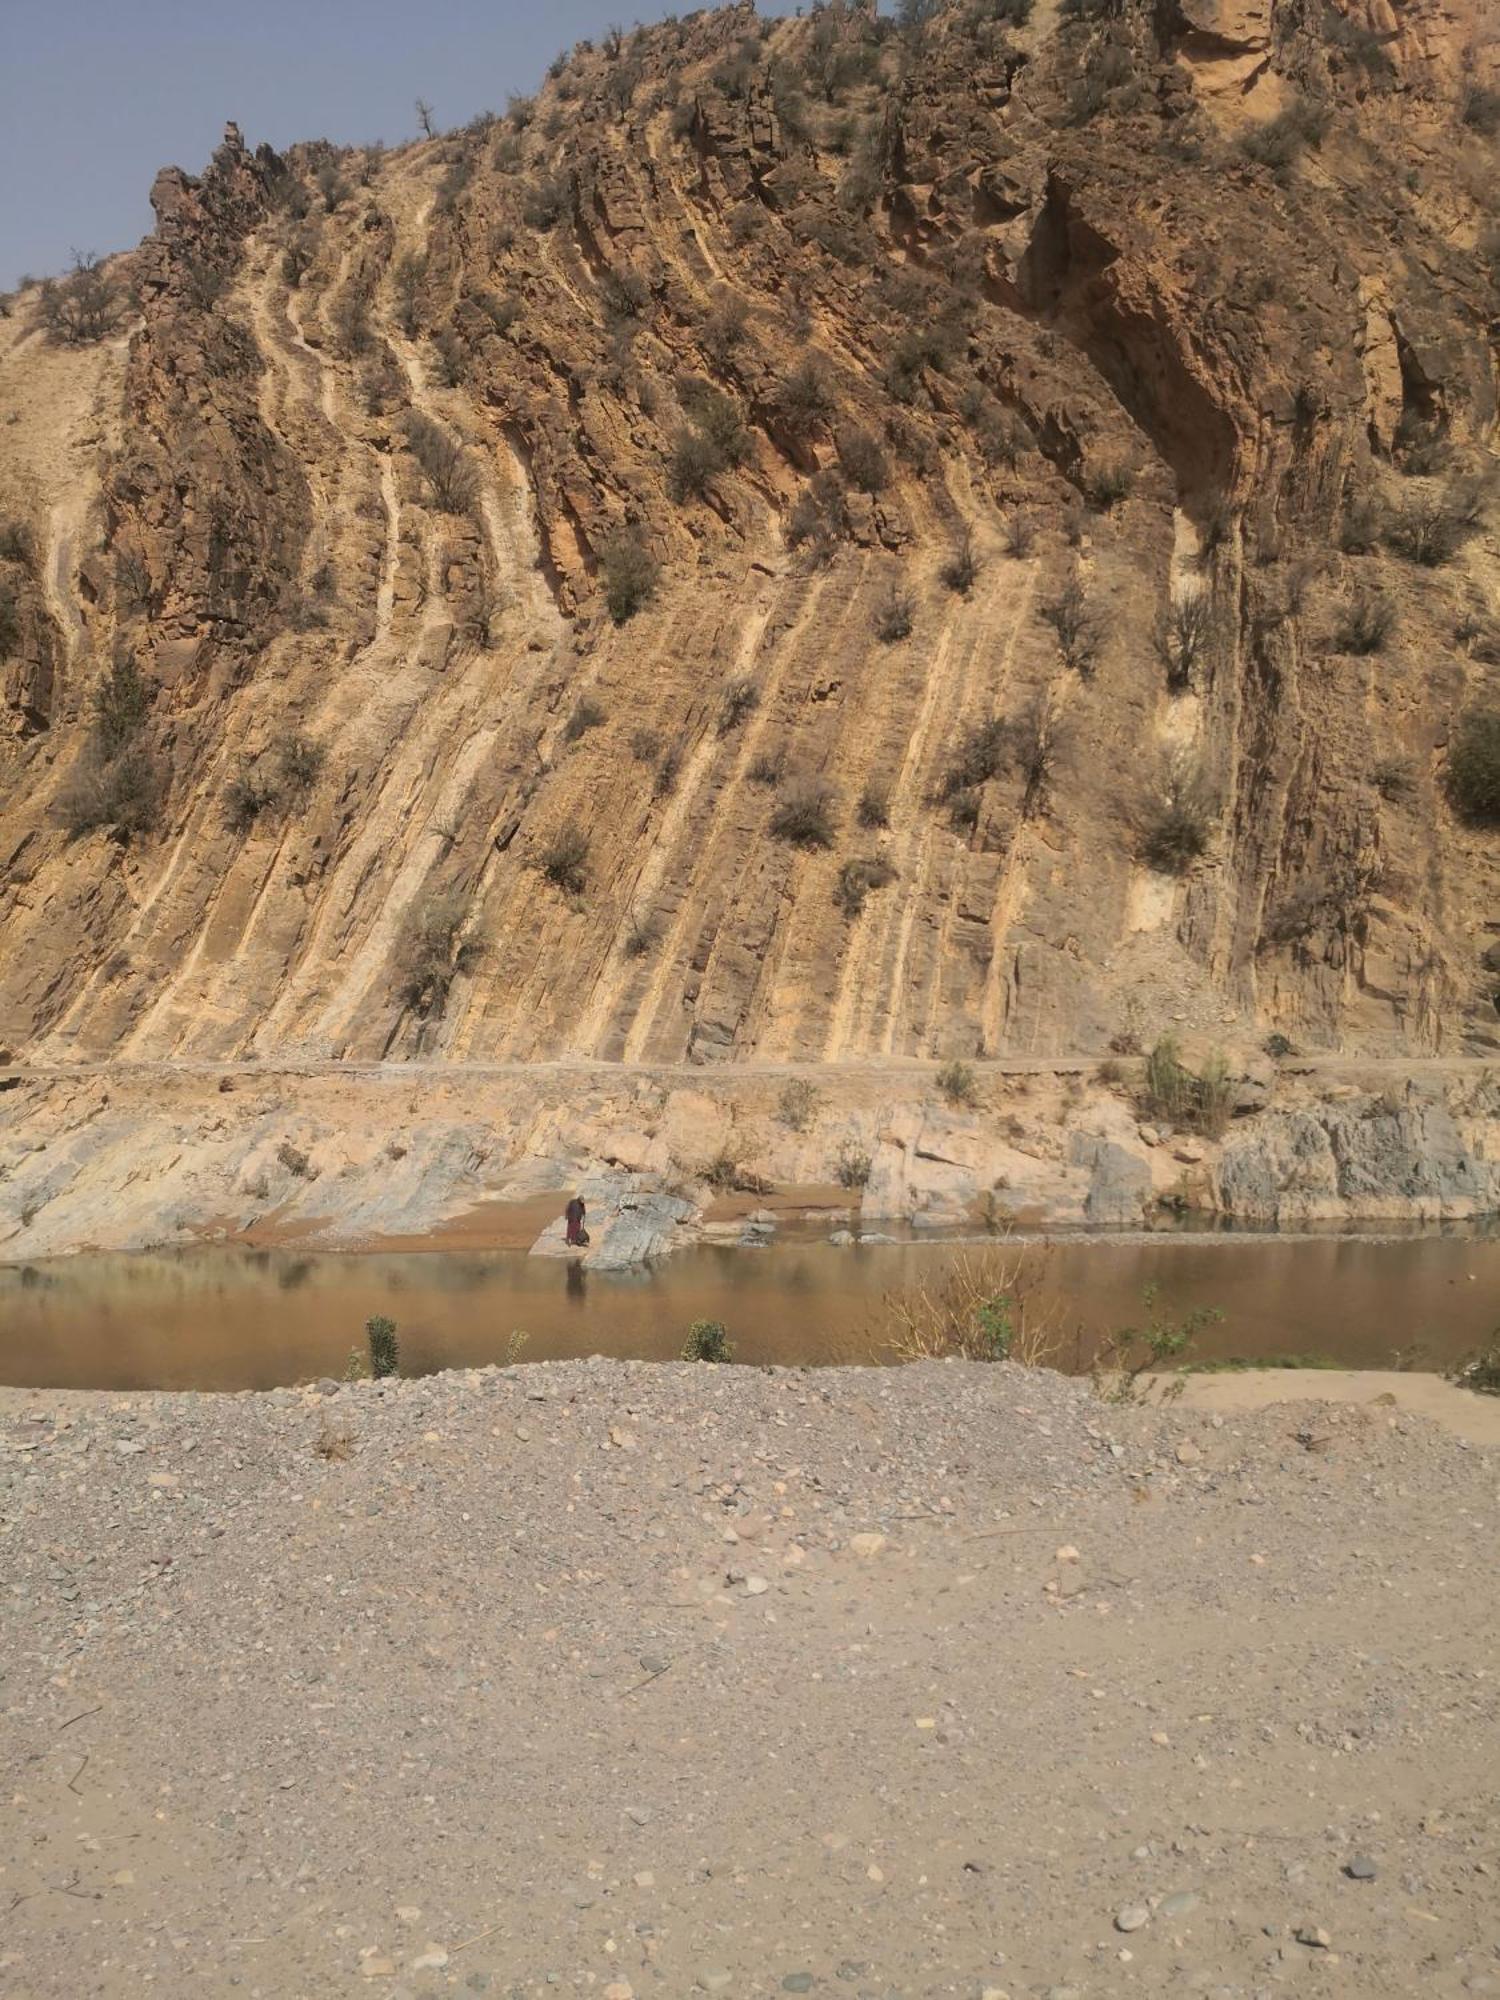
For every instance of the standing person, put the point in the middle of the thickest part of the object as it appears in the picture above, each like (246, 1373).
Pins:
(575, 1212)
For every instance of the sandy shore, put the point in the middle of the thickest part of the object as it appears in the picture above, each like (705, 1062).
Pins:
(648, 1680)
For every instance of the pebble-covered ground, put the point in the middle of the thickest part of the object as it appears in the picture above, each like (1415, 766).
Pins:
(643, 1680)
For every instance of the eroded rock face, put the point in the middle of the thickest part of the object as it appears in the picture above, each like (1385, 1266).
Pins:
(877, 356)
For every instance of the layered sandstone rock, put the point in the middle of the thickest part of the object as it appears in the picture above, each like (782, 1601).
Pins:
(1083, 334)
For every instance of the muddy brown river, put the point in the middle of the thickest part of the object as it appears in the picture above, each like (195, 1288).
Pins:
(252, 1319)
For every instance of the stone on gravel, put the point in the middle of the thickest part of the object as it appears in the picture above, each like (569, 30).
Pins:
(1133, 1917)
(1360, 1868)
(1182, 1904)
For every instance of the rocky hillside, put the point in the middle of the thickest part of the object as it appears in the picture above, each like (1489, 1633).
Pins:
(819, 538)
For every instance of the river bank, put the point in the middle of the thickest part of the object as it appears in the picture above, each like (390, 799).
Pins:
(635, 1680)
(138, 1156)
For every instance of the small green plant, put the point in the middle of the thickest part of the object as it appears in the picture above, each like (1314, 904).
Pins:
(1130, 1352)
(957, 1084)
(385, 1349)
(853, 1166)
(797, 1105)
(513, 1347)
(707, 1340)
(357, 1366)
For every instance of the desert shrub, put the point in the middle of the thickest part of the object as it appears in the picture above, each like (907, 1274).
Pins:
(17, 546)
(797, 1105)
(564, 860)
(122, 792)
(893, 616)
(1077, 631)
(625, 294)
(1393, 777)
(385, 1348)
(247, 795)
(1182, 638)
(432, 950)
(331, 185)
(449, 358)
(1172, 1094)
(1474, 766)
(768, 768)
(1033, 739)
(1020, 533)
(853, 1166)
(639, 938)
(718, 420)
(957, 1084)
(410, 275)
(1362, 524)
(1109, 482)
(726, 325)
(693, 463)
(665, 781)
(964, 807)
(873, 809)
(586, 715)
(630, 575)
(1480, 110)
(296, 259)
(1277, 1045)
(645, 745)
(1431, 528)
(803, 814)
(299, 761)
(1281, 141)
(448, 469)
(863, 460)
(353, 333)
(121, 704)
(741, 698)
(979, 757)
(856, 880)
(707, 1340)
(1177, 821)
(544, 202)
(805, 399)
(382, 385)
(1365, 623)
(83, 307)
(981, 1306)
(961, 568)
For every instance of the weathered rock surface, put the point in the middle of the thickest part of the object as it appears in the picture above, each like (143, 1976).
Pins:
(1039, 269)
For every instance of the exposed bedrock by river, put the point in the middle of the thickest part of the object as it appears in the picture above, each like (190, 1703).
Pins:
(137, 1158)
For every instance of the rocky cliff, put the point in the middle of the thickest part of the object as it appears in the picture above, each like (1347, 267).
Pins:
(811, 539)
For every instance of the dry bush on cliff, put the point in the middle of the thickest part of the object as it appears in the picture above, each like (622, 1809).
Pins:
(630, 575)
(448, 468)
(83, 307)
(1176, 822)
(433, 950)
(1474, 766)
(803, 814)
(857, 879)
(564, 860)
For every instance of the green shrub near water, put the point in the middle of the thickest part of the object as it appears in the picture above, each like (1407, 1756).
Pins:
(385, 1349)
(707, 1340)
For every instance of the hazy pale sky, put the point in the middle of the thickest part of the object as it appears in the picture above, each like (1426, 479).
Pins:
(95, 95)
